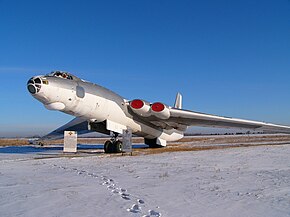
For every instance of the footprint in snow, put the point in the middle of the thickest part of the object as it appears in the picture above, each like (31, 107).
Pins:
(135, 208)
(115, 191)
(111, 187)
(154, 213)
(61, 167)
(123, 190)
(140, 201)
(125, 196)
(105, 179)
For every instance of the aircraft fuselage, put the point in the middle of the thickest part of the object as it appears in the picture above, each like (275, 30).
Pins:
(95, 104)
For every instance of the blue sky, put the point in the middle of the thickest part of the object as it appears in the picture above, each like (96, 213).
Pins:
(226, 57)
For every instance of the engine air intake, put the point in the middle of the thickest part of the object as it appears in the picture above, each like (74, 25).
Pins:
(160, 110)
(157, 107)
(137, 104)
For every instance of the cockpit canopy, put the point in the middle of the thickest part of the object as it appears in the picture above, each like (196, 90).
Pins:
(62, 74)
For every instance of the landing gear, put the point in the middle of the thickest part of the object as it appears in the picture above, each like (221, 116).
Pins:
(118, 146)
(108, 146)
(114, 145)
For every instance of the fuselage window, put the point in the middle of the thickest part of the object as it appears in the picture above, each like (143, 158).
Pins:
(80, 91)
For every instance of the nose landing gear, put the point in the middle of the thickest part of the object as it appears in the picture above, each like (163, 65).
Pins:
(114, 145)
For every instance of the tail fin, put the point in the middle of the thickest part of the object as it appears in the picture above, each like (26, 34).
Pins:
(178, 101)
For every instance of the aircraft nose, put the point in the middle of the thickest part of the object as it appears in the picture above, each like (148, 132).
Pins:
(34, 85)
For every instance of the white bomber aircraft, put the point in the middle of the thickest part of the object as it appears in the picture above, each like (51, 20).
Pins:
(99, 109)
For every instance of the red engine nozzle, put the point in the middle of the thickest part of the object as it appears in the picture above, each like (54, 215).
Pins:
(137, 104)
(158, 107)
(160, 110)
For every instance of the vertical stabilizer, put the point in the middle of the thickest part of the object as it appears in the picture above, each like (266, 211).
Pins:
(178, 101)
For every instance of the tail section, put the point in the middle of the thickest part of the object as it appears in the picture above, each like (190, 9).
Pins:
(178, 101)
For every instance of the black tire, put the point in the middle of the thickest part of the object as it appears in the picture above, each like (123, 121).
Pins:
(108, 146)
(118, 146)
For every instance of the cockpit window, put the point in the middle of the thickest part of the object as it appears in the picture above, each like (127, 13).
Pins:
(60, 74)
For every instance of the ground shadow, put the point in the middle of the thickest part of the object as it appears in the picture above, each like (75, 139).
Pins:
(39, 149)
(27, 149)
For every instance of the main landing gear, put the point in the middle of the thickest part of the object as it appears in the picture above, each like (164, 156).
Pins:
(114, 145)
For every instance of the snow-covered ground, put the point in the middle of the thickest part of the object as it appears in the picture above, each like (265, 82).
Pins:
(252, 181)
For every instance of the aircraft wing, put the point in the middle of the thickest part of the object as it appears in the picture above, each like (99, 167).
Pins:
(77, 124)
(180, 118)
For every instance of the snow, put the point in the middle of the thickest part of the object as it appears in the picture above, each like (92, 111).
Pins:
(252, 181)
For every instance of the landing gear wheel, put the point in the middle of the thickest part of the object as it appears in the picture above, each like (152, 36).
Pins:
(108, 146)
(118, 146)
(113, 147)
